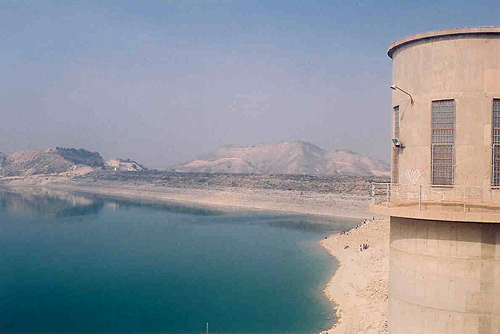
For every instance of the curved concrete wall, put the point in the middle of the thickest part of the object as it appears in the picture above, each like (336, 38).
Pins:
(444, 277)
(434, 66)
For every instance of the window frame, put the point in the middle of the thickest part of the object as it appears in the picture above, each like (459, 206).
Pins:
(443, 136)
(395, 151)
(495, 144)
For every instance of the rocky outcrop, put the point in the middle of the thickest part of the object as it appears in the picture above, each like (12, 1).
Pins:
(81, 156)
(124, 165)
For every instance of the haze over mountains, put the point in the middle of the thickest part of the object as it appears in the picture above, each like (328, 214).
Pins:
(290, 157)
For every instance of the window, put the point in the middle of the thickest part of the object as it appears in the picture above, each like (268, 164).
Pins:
(443, 142)
(495, 182)
(396, 122)
(395, 150)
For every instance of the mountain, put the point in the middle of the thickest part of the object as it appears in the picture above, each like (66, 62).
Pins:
(48, 161)
(291, 157)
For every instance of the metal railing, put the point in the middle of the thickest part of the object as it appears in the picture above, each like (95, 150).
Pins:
(425, 197)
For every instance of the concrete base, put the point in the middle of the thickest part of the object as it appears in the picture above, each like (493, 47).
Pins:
(444, 277)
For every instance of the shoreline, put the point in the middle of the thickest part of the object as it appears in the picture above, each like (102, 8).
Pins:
(293, 202)
(359, 287)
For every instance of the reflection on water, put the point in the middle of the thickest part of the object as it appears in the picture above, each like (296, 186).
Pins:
(309, 224)
(59, 203)
(45, 202)
(41, 201)
(117, 203)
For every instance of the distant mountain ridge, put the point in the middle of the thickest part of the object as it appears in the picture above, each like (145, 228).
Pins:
(290, 157)
(48, 161)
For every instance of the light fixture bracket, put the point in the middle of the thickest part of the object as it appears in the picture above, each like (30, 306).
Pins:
(394, 87)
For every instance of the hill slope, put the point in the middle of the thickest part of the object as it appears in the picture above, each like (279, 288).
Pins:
(126, 165)
(47, 161)
(292, 157)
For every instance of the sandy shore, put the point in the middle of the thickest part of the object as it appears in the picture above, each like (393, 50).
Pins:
(359, 287)
(302, 202)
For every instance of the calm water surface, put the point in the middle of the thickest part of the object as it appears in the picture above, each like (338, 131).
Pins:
(78, 263)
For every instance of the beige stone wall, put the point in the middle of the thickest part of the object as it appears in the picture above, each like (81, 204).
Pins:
(444, 277)
(465, 68)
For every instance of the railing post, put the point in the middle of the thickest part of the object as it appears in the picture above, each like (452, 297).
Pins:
(388, 194)
(420, 197)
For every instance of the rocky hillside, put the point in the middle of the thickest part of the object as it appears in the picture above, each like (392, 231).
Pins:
(292, 157)
(124, 165)
(48, 161)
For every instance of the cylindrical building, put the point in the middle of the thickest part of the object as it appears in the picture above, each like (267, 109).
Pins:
(444, 196)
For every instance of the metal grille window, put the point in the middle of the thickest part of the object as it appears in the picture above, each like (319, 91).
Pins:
(396, 122)
(443, 142)
(495, 182)
(395, 150)
(395, 165)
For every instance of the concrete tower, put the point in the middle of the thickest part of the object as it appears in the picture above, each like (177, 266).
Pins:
(444, 196)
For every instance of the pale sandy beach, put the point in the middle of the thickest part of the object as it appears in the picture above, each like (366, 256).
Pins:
(359, 287)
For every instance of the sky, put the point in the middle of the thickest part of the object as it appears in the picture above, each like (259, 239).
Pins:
(164, 82)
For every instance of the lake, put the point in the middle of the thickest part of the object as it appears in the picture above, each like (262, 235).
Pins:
(77, 263)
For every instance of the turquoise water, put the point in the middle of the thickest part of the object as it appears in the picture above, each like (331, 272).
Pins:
(79, 263)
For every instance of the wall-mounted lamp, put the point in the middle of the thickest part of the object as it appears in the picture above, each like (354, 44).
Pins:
(394, 87)
(397, 143)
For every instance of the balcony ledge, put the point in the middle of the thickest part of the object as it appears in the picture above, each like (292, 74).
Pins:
(479, 213)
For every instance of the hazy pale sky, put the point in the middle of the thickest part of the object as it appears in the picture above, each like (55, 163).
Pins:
(162, 82)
